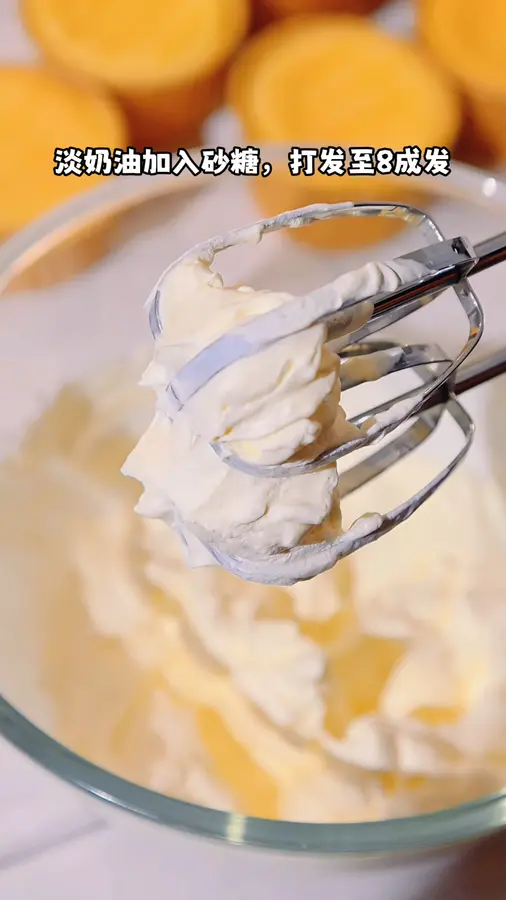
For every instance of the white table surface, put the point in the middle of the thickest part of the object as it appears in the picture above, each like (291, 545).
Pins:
(54, 846)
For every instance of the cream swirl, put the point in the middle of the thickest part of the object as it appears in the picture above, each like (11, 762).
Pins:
(275, 405)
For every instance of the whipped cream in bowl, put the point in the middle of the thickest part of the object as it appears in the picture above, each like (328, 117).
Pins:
(371, 691)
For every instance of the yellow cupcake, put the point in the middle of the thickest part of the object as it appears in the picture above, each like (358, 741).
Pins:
(336, 80)
(164, 59)
(39, 113)
(467, 39)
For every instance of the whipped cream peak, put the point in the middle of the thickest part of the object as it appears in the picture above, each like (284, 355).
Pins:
(246, 373)
(333, 304)
(248, 234)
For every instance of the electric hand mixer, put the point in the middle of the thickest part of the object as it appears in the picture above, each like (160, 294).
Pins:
(418, 277)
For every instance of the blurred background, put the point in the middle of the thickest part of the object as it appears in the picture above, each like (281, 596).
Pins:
(168, 74)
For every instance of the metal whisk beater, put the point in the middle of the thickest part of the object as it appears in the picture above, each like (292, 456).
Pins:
(419, 277)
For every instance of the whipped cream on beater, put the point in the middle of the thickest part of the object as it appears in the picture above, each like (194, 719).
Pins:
(278, 403)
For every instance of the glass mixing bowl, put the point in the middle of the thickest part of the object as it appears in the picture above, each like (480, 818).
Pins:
(92, 316)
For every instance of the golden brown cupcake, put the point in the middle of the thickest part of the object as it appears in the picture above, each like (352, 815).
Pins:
(336, 80)
(163, 59)
(467, 39)
(40, 113)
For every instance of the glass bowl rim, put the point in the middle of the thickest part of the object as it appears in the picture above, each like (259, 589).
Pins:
(456, 824)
